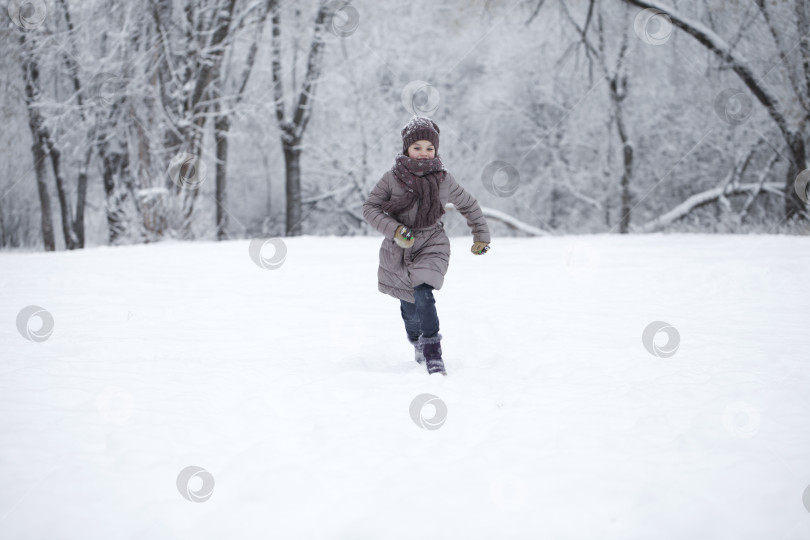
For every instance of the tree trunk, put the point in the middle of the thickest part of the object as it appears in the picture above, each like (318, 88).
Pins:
(64, 205)
(50, 150)
(292, 131)
(221, 126)
(222, 121)
(81, 198)
(554, 203)
(76, 226)
(795, 206)
(31, 77)
(42, 188)
(802, 22)
(627, 172)
(116, 216)
(292, 167)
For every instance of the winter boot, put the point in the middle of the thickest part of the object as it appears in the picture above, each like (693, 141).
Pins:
(432, 349)
(417, 347)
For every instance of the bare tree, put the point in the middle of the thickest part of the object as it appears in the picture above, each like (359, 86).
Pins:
(792, 132)
(39, 134)
(105, 136)
(73, 69)
(225, 102)
(617, 84)
(293, 128)
(190, 56)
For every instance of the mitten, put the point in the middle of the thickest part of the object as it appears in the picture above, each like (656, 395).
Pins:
(403, 237)
(479, 248)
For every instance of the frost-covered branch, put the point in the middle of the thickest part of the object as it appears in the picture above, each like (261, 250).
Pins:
(706, 197)
(506, 219)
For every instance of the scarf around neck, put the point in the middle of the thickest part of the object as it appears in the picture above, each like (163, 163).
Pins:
(421, 179)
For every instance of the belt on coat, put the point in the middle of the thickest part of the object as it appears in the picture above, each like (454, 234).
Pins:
(438, 224)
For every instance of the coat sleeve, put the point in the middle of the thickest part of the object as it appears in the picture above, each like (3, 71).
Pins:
(374, 214)
(468, 206)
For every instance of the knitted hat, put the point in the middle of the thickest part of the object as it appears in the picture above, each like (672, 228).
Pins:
(420, 128)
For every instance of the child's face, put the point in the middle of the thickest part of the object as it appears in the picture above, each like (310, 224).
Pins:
(421, 150)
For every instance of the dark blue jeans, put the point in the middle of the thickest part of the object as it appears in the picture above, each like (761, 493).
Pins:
(420, 317)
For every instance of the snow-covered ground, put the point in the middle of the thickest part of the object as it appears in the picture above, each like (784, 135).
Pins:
(291, 389)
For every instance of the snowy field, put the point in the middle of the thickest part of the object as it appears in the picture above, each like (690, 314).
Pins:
(291, 390)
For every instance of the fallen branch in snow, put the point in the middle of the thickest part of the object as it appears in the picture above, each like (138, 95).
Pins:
(706, 197)
(506, 219)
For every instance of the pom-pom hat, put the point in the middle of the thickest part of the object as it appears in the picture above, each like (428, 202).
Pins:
(420, 128)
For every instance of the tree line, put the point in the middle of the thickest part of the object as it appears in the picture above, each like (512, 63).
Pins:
(564, 116)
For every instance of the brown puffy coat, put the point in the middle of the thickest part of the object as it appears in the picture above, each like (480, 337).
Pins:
(401, 269)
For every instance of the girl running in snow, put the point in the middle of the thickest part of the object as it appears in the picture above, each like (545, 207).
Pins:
(405, 206)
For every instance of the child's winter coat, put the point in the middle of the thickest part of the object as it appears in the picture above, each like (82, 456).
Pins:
(401, 269)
